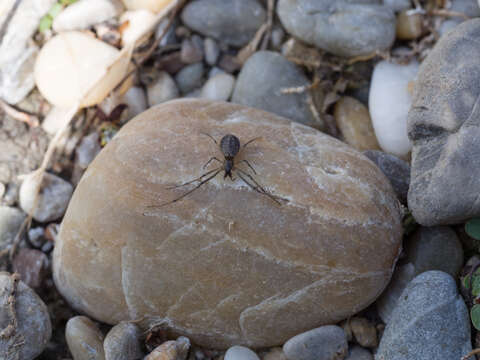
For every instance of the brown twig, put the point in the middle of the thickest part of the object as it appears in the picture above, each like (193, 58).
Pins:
(448, 13)
(471, 353)
(31, 120)
(8, 18)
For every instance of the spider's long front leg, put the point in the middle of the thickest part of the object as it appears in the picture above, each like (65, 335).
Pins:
(257, 187)
(208, 162)
(193, 180)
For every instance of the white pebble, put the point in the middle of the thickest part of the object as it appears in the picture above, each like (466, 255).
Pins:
(139, 21)
(136, 101)
(152, 5)
(389, 102)
(219, 87)
(240, 353)
(85, 13)
(162, 90)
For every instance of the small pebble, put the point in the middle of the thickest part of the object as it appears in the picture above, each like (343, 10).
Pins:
(364, 332)
(212, 51)
(53, 197)
(324, 343)
(275, 353)
(194, 94)
(11, 194)
(389, 102)
(240, 353)
(191, 52)
(354, 122)
(10, 221)
(215, 71)
(409, 26)
(163, 89)
(171, 350)
(137, 23)
(470, 8)
(395, 169)
(84, 339)
(136, 101)
(190, 77)
(32, 330)
(358, 353)
(88, 148)
(123, 342)
(170, 63)
(170, 37)
(278, 34)
(229, 63)
(32, 265)
(36, 236)
(219, 87)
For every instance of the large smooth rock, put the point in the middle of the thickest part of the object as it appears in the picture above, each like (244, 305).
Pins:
(430, 322)
(184, 265)
(343, 27)
(262, 82)
(443, 125)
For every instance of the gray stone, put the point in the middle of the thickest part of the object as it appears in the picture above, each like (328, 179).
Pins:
(190, 77)
(84, 339)
(443, 125)
(233, 22)
(398, 5)
(219, 87)
(430, 322)
(215, 71)
(136, 101)
(364, 331)
(163, 89)
(240, 353)
(358, 353)
(191, 52)
(88, 148)
(468, 7)
(123, 342)
(10, 221)
(53, 196)
(212, 51)
(323, 343)
(344, 28)
(395, 169)
(277, 37)
(170, 37)
(260, 85)
(28, 336)
(435, 248)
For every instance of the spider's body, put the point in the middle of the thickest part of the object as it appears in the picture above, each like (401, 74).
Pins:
(229, 146)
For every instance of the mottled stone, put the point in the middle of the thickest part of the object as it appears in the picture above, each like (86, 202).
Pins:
(430, 322)
(123, 342)
(84, 339)
(343, 27)
(31, 265)
(233, 22)
(340, 231)
(443, 125)
(262, 80)
(28, 336)
(324, 343)
(171, 350)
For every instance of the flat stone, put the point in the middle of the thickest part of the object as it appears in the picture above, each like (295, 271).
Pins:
(261, 82)
(233, 22)
(324, 343)
(424, 329)
(444, 131)
(123, 342)
(84, 339)
(299, 270)
(343, 27)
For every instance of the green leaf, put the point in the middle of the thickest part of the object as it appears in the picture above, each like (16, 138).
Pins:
(67, 2)
(55, 10)
(475, 316)
(472, 228)
(45, 23)
(475, 283)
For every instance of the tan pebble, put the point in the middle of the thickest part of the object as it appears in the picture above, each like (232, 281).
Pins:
(364, 332)
(409, 25)
(84, 339)
(171, 350)
(275, 353)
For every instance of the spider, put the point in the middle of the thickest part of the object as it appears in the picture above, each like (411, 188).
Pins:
(229, 146)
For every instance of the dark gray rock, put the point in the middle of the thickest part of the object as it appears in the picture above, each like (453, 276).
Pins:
(233, 22)
(435, 248)
(27, 337)
(323, 343)
(190, 77)
(395, 169)
(260, 85)
(123, 342)
(344, 28)
(430, 322)
(443, 125)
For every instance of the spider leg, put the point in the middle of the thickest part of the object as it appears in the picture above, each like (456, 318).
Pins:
(190, 191)
(250, 166)
(193, 180)
(208, 162)
(252, 140)
(257, 187)
(210, 136)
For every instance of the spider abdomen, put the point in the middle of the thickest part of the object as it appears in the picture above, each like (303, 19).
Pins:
(229, 145)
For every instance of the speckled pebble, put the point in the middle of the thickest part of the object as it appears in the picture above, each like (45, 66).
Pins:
(123, 342)
(171, 350)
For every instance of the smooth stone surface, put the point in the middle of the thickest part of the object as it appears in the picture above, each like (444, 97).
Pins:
(343, 27)
(389, 102)
(240, 353)
(84, 339)
(17, 51)
(219, 87)
(162, 90)
(260, 85)
(354, 122)
(85, 13)
(136, 101)
(154, 6)
(339, 233)
(53, 196)
(443, 125)
(358, 353)
(395, 169)
(409, 26)
(171, 350)
(212, 51)
(430, 322)
(10, 221)
(324, 343)
(190, 77)
(233, 22)
(33, 327)
(435, 248)
(31, 265)
(123, 342)
(138, 22)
